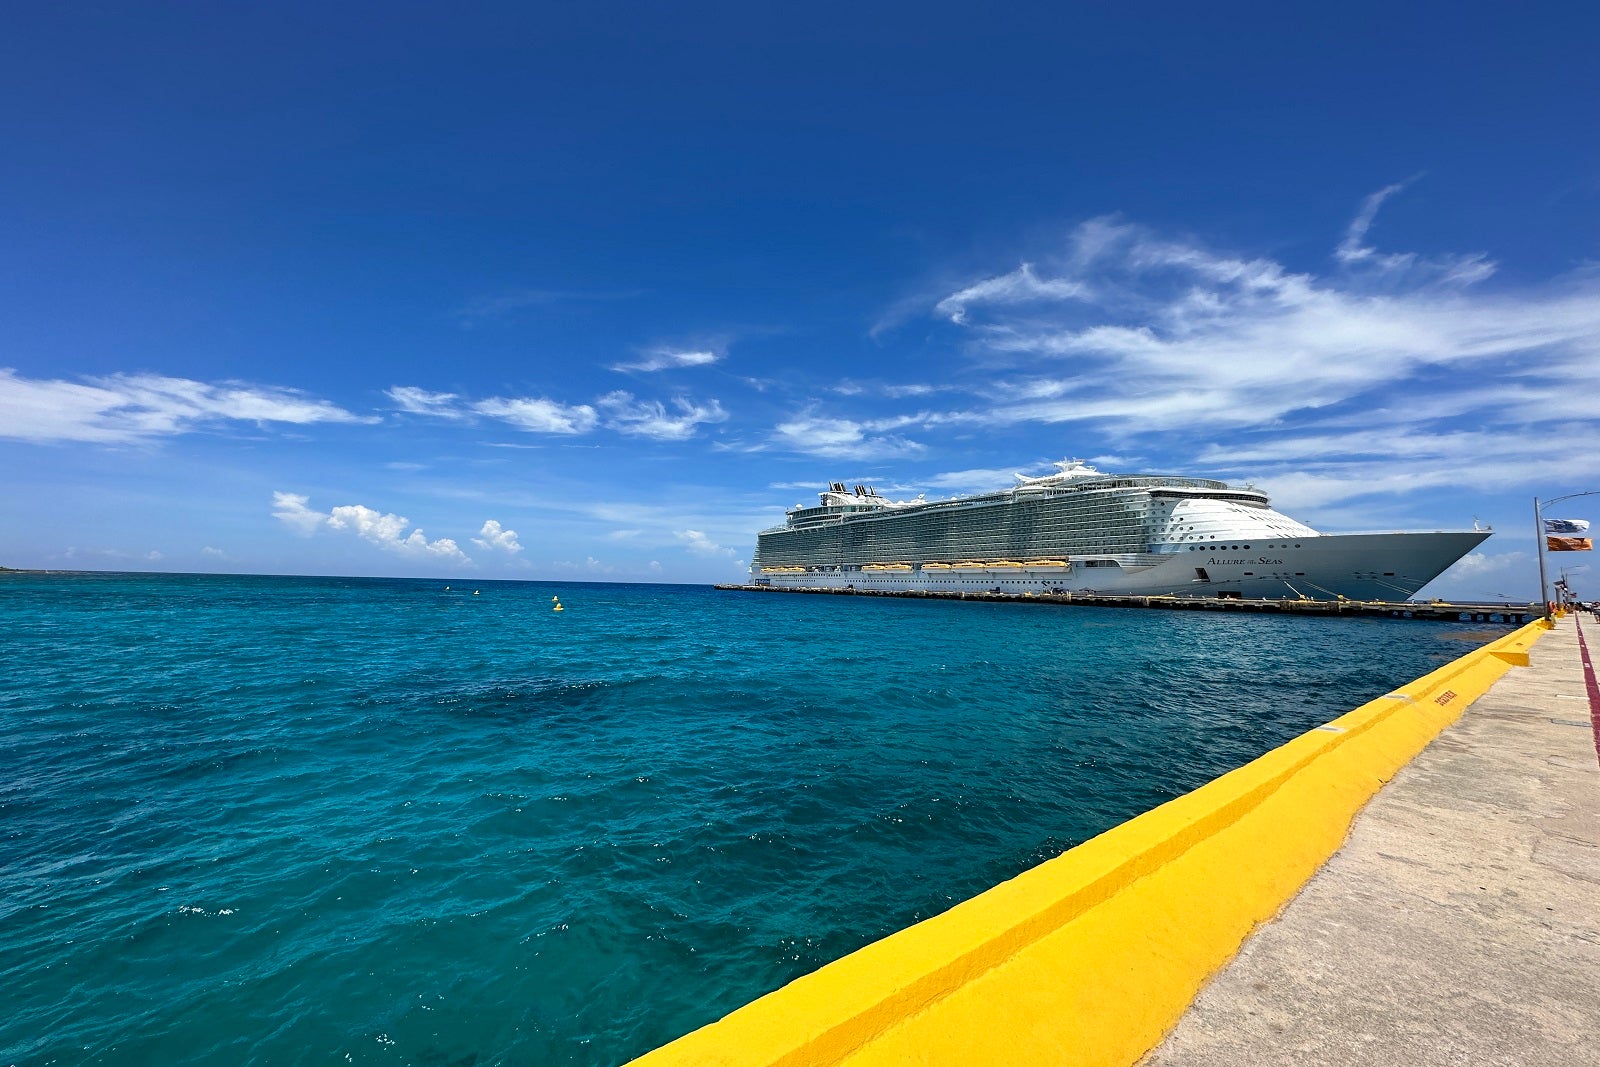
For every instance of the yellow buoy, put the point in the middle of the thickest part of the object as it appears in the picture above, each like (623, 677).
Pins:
(558, 607)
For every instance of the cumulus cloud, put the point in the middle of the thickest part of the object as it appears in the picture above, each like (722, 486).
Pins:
(493, 537)
(122, 408)
(651, 418)
(660, 358)
(385, 529)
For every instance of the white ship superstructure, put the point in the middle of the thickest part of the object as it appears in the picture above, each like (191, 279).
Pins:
(1079, 530)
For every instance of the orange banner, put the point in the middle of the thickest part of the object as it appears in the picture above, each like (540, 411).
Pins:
(1569, 544)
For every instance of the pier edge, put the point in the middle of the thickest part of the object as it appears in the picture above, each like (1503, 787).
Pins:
(1093, 956)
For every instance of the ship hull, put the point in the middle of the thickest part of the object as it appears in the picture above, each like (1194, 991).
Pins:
(1387, 566)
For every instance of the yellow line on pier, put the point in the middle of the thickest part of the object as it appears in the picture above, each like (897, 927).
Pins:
(1091, 957)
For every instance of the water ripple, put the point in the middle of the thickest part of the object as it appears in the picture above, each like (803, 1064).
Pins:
(375, 821)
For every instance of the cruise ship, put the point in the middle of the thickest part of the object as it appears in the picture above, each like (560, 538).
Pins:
(1082, 531)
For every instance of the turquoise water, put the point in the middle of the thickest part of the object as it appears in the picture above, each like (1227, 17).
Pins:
(318, 820)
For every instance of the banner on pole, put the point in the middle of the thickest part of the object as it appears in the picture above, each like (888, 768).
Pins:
(1566, 526)
(1568, 544)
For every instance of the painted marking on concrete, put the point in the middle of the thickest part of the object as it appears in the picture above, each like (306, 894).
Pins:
(1331, 729)
(1091, 957)
(1591, 684)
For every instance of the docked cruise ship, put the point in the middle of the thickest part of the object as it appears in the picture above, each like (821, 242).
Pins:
(1079, 530)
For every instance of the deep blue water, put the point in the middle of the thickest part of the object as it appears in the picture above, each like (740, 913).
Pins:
(322, 820)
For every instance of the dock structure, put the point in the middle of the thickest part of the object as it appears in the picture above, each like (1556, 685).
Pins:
(1460, 922)
(1457, 922)
(1432, 610)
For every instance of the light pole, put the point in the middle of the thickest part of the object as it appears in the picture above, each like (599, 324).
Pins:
(1582, 568)
(1538, 532)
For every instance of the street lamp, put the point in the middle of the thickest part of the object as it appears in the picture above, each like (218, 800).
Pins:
(1566, 585)
(1538, 531)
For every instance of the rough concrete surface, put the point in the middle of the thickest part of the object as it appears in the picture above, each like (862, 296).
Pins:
(1460, 922)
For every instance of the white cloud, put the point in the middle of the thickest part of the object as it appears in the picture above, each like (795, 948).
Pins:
(384, 529)
(1021, 286)
(660, 358)
(893, 392)
(388, 531)
(539, 415)
(701, 545)
(650, 418)
(841, 438)
(1197, 352)
(1478, 564)
(290, 508)
(619, 411)
(123, 408)
(1353, 248)
(416, 401)
(698, 543)
(153, 555)
(1354, 252)
(214, 553)
(493, 536)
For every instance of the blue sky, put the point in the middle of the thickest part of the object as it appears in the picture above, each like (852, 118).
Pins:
(596, 291)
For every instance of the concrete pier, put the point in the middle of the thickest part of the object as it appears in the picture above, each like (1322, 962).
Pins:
(1424, 611)
(1460, 922)
(1096, 956)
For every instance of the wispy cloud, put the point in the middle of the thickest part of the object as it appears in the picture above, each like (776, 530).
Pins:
(539, 414)
(651, 418)
(385, 529)
(1021, 286)
(662, 358)
(1354, 251)
(124, 408)
(1318, 380)
(416, 401)
(620, 411)
(900, 391)
(834, 437)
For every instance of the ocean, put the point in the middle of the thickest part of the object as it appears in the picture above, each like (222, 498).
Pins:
(339, 820)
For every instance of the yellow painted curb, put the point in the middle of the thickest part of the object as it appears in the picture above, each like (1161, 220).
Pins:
(1090, 958)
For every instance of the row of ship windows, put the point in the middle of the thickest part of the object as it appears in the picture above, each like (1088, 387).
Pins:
(1229, 548)
(936, 549)
(925, 530)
